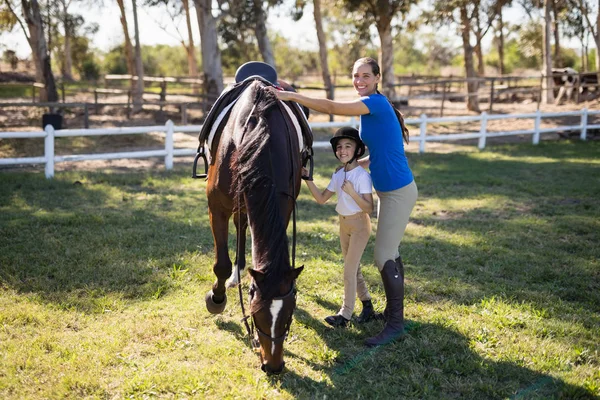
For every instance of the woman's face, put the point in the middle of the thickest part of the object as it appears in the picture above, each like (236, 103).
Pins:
(365, 82)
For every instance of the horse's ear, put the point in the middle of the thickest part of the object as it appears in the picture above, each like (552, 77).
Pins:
(258, 276)
(293, 274)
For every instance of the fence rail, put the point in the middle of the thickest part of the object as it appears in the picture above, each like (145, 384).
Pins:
(169, 152)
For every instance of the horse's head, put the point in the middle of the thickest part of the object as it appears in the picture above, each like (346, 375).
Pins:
(272, 316)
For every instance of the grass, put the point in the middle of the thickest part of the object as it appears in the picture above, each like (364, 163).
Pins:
(103, 275)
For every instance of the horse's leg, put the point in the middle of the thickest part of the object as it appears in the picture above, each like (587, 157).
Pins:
(216, 299)
(241, 224)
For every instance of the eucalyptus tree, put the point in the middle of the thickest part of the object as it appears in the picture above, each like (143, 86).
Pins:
(212, 68)
(548, 82)
(322, 40)
(593, 24)
(33, 27)
(127, 39)
(138, 92)
(383, 14)
(175, 9)
(463, 11)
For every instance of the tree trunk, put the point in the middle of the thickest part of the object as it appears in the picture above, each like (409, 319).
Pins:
(211, 55)
(478, 47)
(138, 93)
(128, 45)
(67, 65)
(260, 30)
(472, 85)
(597, 41)
(501, 44)
(191, 47)
(386, 57)
(322, 49)
(39, 50)
(556, 32)
(548, 83)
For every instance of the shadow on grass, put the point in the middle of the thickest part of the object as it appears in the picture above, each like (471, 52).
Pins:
(430, 362)
(84, 236)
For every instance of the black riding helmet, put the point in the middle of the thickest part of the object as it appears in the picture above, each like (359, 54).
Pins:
(348, 132)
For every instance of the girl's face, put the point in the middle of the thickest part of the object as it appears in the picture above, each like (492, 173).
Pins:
(345, 149)
(365, 82)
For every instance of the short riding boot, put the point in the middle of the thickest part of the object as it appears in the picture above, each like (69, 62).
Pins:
(337, 321)
(367, 313)
(393, 284)
(401, 269)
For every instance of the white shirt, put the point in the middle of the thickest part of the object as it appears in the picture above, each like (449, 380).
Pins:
(361, 180)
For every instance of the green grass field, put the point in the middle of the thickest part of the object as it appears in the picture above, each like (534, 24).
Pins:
(103, 277)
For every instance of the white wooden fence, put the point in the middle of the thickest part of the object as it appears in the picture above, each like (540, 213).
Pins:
(49, 135)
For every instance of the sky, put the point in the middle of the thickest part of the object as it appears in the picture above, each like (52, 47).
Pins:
(299, 34)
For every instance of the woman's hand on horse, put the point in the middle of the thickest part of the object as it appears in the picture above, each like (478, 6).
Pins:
(281, 94)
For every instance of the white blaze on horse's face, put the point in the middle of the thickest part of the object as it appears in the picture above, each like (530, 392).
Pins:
(275, 309)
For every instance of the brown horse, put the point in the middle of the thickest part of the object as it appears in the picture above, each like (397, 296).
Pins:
(255, 177)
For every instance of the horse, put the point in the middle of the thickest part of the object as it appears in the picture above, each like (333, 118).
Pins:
(255, 176)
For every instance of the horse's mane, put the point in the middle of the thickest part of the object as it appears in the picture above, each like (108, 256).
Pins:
(253, 173)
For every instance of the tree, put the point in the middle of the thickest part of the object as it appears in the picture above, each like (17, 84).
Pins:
(382, 13)
(175, 9)
(128, 45)
(33, 28)
(445, 12)
(548, 82)
(138, 92)
(593, 26)
(211, 54)
(264, 44)
(322, 39)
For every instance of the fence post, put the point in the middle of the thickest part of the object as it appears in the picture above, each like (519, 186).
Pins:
(422, 133)
(584, 118)
(536, 127)
(49, 150)
(169, 145)
(492, 95)
(86, 116)
(184, 113)
(483, 130)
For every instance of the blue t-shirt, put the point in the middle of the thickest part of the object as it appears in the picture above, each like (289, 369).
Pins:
(381, 132)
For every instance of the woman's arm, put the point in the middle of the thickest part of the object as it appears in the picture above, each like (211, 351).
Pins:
(364, 162)
(350, 108)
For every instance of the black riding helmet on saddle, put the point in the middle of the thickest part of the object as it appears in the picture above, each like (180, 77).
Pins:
(348, 132)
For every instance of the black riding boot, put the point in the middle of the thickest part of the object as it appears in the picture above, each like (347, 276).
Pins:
(392, 275)
(367, 313)
(401, 268)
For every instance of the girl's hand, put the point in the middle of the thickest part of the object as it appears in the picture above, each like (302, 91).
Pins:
(348, 187)
(305, 172)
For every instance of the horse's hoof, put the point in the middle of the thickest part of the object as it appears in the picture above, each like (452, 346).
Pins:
(212, 306)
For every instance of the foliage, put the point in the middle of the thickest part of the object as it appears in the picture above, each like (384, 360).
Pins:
(409, 58)
(106, 271)
(159, 60)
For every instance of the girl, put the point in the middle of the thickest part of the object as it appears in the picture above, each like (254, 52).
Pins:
(353, 187)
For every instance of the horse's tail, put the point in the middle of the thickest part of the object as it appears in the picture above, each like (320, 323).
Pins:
(254, 178)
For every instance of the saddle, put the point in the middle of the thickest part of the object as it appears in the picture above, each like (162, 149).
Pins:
(219, 114)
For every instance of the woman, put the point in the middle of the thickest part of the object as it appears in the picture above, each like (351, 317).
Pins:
(382, 130)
